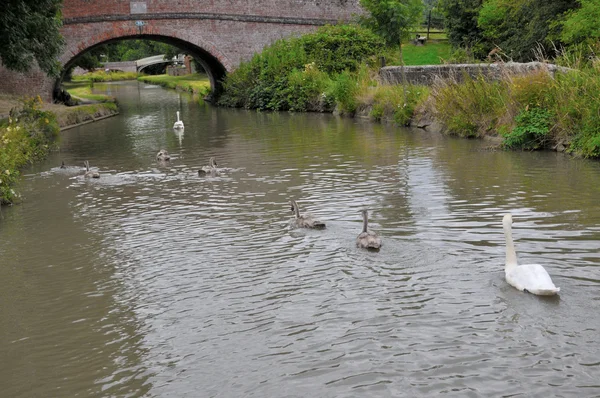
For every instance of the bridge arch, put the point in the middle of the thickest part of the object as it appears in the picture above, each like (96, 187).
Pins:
(212, 60)
(220, 34)
(143, 63)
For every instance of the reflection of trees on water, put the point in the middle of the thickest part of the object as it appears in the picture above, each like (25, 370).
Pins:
(530, 182)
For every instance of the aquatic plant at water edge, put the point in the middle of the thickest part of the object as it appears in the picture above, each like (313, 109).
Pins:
(533, 111)
(531, 131)
(390, 102)
(471, 107)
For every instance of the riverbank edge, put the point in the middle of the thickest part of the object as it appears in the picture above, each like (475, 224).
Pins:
(176, 84)
(75, 116)
(61, 116)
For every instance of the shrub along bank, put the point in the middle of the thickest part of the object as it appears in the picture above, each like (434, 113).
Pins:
(335, 69)
(26, 136)
(535, 111)
(30, 132)
(308, 73)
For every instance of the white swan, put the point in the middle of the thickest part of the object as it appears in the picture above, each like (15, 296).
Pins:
(531, 278)
(367, 239)
(178, 124)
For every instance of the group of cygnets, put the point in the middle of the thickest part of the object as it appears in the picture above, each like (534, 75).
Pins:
(210, 169)
(531, 278)
(366, 239)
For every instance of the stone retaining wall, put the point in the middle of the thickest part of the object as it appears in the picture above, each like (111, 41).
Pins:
(427, 74)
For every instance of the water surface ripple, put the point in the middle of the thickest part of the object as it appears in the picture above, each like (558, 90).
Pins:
(154, 281)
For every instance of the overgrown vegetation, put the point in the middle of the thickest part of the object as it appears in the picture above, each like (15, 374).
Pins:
(535, 111)
(309, 73)
(389, 102)
(28, 135)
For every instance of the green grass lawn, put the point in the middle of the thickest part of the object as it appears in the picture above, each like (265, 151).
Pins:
(78, 90)
(101, 76)
(197, 82)
(432, 53)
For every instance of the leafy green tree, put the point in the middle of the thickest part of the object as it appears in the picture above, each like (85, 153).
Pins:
(461, 24)
(582, 25)
(393, 20)
(521, 28)
(30, 31)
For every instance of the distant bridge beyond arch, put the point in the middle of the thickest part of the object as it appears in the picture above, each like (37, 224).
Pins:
(140, 64)
(219, 34)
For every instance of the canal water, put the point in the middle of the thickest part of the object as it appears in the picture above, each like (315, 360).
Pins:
(154, 281)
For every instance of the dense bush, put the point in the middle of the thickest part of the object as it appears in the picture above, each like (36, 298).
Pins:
(300, 73)
(29, 135)
(531, 131)
(530, 112)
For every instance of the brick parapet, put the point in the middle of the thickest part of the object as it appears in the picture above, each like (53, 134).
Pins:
(221, 32)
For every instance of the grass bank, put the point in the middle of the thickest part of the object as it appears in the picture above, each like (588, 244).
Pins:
(83, 92)
(340, 74)
(30, 131)
(533, 111)
(101, 76)
(196, 83)
(27, 135)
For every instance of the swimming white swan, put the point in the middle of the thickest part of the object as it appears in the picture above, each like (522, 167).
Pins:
(163, 155)
(178, 124)
(90, 173)
(305, 220)
(531, 278)
(367, 239)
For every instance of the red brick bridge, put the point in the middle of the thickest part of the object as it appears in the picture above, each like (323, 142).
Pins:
(219, 33)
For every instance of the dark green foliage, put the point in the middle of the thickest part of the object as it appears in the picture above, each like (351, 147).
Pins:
(30, 31)
(344, 90)
(522, 29)
(531, 131)
(587, 141)
(581, 25)
(337, 48)
(88, 61)
(392, 19)
(461, 24)
(296, 74)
